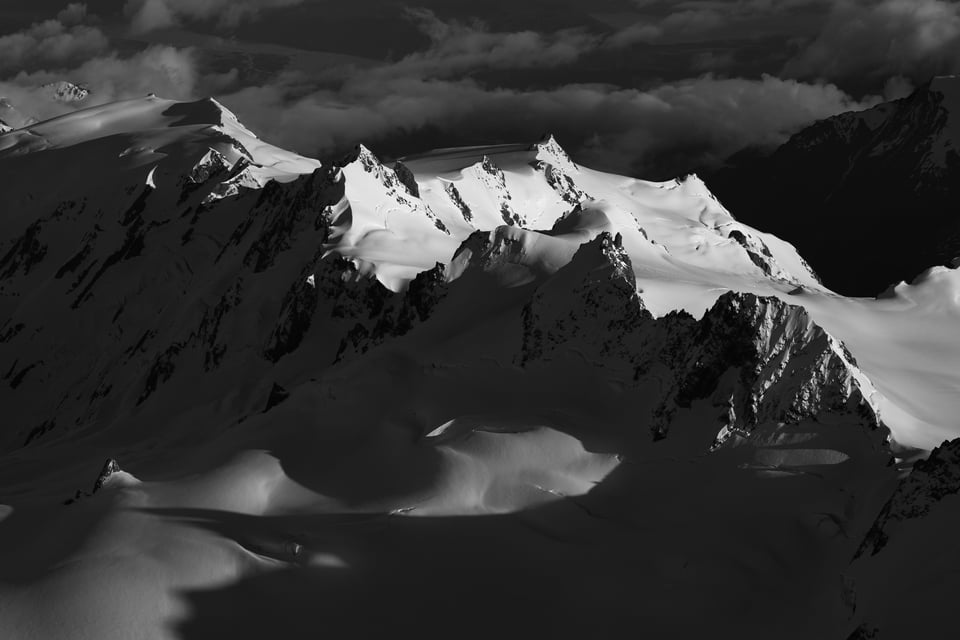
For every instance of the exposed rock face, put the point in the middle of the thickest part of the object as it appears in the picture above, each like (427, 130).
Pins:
(212, 167)
(66, 92)
(406, 177)
(489, 250)
(759, 360)
(110, 467)
(383, 314)
(929, 482)
(557, 167)
(241, 179)
(238, 262)
(560, 182)
(550, 152)
(787, 369)
(296, 317)
(211, 164)
(398, 185)
(494, 182)
(759, 254)
(606, 306)
(454, 194)
(253, 267)
(388, 177)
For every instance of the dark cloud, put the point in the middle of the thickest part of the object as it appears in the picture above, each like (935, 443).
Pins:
(167, 71)
(61, 40)
(458, 47)
(881, 39)
(147, 15)
(694, 121)
(691, 121)
(468, 82)
(69, 48)
(660, 21)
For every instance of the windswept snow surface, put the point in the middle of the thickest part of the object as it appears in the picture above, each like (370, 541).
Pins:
(472, 390)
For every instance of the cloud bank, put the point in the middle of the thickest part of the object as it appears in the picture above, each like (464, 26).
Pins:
(148, 15)
(57, 41)
(444, 90)
(881, 39)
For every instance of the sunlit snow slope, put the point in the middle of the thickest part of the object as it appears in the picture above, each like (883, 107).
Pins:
(471, 388)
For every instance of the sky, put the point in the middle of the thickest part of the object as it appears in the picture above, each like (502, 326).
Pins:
(651, 88)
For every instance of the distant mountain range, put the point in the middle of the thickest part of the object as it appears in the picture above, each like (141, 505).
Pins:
(869, 197)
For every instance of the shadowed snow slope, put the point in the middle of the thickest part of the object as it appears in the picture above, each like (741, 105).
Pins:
(454, 391)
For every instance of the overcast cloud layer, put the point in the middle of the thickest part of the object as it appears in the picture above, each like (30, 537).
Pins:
(643, 86)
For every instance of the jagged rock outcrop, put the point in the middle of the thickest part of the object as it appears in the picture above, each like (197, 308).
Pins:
(397, 185)
(759, 254)
(929, 482)
(240, 180)
(786, 368)
(550, 152)
(67, 92)
(557, 166)
(383, 314)
(406, 178)
(454, 194)
(493, 180)
(491, 250)
(296, 317)
(758, 360)
(590, 304)
(110, 468)
(172, 317)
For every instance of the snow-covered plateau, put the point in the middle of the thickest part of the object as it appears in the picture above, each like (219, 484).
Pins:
(478, 391)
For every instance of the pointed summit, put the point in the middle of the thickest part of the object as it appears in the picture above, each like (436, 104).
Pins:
(549, 151)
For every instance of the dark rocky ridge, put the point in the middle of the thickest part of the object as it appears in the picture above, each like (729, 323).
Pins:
(863, 196)
(929, 482)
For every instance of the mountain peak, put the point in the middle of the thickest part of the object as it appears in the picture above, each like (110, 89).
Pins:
(204, 111)
(66, 92)
(549, 151)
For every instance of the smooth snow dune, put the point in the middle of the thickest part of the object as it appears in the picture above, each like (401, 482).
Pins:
(490, 471)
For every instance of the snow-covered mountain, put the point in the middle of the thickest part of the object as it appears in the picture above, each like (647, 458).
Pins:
(10, 116)
(67, 92)
(479, 378)
(62, 92)
(872, 194)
